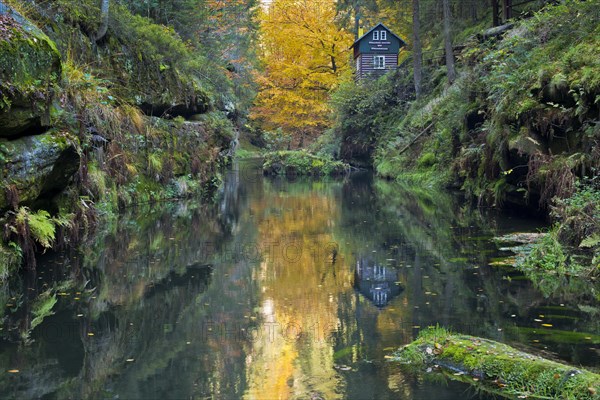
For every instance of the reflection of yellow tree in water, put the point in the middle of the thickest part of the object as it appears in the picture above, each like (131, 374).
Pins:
(302, 277)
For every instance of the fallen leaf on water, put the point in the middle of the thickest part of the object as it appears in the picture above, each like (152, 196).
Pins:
(342, 367)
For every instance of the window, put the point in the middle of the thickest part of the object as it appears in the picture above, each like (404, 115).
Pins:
(375, 35)
(383, 35)
(379, 62)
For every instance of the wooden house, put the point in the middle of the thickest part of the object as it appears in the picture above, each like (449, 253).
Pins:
(376, 52)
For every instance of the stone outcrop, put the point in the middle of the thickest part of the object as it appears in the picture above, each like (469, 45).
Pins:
(30, 69)
(36, 166)
(34, 162)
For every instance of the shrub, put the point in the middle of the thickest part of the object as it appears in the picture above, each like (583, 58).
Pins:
(301, 162)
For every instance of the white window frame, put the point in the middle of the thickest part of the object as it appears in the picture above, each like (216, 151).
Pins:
(378, 62)
(383, 35)
(375, 35)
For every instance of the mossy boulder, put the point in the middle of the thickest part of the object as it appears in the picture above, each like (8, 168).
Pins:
(36, 166)
(30, 69)
(496, 367)
(153, 67)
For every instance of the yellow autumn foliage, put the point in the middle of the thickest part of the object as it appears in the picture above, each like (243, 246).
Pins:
(304, 54)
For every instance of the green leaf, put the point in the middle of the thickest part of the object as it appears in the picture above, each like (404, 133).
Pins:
(590, 241)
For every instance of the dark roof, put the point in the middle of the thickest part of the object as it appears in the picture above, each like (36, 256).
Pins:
(372, 29)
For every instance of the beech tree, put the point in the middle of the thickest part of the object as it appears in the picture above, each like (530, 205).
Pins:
(304, 54)
(103, 20)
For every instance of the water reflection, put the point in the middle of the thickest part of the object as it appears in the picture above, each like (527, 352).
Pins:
(282, 289)
(376, 281)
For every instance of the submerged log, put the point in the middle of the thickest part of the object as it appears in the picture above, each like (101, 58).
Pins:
(496, 367)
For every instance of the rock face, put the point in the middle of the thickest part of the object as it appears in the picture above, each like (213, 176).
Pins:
(30, 69)
(37, 166)
(34, 162)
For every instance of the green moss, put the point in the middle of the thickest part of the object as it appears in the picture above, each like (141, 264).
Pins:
(498, 368)
(427, 160)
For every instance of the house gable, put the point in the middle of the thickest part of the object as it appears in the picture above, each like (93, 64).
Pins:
(372, 42)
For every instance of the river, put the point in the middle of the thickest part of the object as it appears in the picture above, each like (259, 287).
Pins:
(282, 288)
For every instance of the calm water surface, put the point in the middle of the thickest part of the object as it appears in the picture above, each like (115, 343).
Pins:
(282, 289)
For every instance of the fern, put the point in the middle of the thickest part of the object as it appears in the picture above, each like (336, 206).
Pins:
(42, 308)
(42, 228)
(41, 225)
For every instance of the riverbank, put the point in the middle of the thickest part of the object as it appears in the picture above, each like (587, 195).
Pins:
(94, 120)
(517, 129)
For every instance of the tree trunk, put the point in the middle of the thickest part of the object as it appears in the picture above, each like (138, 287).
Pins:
(417, 51)
(104, 20)
(506, 10)
(356, 21)
(448, 43)
(474, 12)
(495, 19)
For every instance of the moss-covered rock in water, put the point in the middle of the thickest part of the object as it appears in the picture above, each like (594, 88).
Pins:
(29, 70)
(36, 165)
(301, 163)
(497, 368)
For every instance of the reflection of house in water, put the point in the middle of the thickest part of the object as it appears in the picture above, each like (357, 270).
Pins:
(376, 282)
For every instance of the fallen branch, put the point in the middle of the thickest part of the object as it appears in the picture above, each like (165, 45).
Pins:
(415, 138)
